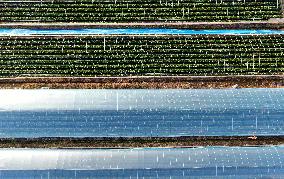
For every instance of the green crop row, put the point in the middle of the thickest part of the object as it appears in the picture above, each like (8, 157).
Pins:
(141, 55)
(129, 11)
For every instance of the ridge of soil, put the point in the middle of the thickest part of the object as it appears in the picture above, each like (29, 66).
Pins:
(135, 142)
(144, 82)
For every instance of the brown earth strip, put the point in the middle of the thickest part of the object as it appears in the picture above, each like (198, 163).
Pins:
(274, 23)
(161, 82)
(105, 142)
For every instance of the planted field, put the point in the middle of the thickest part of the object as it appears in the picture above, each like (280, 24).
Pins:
(124, 55)
(138, 10)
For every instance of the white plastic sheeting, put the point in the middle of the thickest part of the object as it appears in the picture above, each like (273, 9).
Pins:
(153, 158)
(116, 113)
(142, 99)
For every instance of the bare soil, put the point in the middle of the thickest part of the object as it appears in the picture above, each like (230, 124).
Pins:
(146, 82)
(274, 23)
(121, 142)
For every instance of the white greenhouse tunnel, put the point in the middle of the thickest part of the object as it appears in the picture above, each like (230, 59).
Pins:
(140, 99)
(141, 158)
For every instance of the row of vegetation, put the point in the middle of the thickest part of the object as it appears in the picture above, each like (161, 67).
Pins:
(137, 10)
(141, 55)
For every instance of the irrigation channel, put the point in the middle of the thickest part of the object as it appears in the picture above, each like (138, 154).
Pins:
(208, 162)
(109, 31)
(141, 112)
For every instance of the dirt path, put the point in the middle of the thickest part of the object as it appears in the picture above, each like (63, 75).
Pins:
(270, 24)
(146, 82)
(140, 142)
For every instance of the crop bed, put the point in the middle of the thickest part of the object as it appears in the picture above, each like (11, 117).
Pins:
(138, 10)
(124, 55)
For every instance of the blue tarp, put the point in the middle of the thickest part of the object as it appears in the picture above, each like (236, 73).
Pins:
(135, 31)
